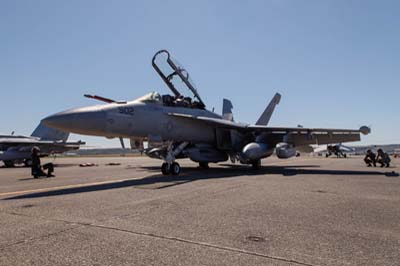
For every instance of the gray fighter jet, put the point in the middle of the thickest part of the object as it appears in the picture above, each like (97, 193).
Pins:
(183, 127)
(17, 149)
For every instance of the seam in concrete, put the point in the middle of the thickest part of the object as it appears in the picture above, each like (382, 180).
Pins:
(204, 244)
(170, 238)
(39, 237)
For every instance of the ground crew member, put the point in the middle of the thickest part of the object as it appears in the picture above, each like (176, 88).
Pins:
(383, 158)
(36, 169)
(370, 158)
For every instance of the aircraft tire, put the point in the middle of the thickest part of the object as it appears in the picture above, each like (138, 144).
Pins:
(203, 165)
(165, 169)
(175, 169)
(8, 163)
(28, 163)
(256, 164)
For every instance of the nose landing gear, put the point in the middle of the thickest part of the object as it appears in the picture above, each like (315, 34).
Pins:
(170, 166)
(173, 168)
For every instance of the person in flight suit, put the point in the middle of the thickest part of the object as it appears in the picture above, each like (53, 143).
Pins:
(36, 168)
(370, 158)
(383, 158)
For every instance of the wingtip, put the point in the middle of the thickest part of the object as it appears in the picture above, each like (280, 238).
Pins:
(365, 130)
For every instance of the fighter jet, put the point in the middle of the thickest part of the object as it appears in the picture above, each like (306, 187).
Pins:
(186, 129)
(339, 150)
(17, 149)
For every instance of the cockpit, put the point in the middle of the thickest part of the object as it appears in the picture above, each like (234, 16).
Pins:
(177, 80)
(169, 100)
(152, 97)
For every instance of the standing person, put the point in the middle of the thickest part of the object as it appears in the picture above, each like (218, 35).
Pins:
(370, 158)
(383, 158)
(36, 169)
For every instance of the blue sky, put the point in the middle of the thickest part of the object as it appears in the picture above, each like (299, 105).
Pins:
(336, 63)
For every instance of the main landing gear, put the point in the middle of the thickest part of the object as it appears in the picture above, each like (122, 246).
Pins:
(204, 165)
(8, 164)
(170, 166)
(256, 164)
(28, 163)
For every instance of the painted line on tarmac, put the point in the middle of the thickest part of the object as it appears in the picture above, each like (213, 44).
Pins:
(48, 189)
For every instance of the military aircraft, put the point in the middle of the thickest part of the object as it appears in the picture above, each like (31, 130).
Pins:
(17, 149)
(186, 129)
(339, 150)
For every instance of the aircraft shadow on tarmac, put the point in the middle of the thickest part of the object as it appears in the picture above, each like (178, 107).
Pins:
(191, 174)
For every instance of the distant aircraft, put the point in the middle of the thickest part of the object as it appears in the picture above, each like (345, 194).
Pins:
(187, 129)
(17, 149)
(339, 150)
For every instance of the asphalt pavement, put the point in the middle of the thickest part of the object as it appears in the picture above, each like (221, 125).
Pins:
(122, 211)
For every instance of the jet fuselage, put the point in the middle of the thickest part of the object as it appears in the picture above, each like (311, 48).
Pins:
(135, 119)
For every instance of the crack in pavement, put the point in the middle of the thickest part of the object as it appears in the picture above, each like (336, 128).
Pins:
(204, 244)
(38, 237)
(152, 235)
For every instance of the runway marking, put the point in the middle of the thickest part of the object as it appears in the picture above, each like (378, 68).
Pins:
(67, 186)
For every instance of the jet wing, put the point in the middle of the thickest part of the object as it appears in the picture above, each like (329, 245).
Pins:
(24, 143)
(297, 135)
(306, 136)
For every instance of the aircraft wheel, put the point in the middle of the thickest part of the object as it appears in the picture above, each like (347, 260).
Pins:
(165, 169)
(203, 165)
(28, 163)
(256, 164)
(175, 168)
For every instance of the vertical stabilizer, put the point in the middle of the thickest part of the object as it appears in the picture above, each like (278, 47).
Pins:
(227, 110)
(266, 115)
(46, 133)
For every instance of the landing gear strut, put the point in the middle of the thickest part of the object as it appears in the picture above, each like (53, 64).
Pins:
(170, 166)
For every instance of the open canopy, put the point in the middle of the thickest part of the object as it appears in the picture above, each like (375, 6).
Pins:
(174, 75)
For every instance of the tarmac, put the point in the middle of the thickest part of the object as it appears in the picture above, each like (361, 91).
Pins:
(299, 211)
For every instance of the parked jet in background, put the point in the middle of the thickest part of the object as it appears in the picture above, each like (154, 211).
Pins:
(188, 129)
(17, 149)
(339, 150)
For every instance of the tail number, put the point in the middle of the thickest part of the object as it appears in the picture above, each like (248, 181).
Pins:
(126, 110)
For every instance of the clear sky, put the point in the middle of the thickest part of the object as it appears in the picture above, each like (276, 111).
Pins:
(336, 63)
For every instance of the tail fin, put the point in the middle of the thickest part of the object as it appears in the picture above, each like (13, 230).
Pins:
(227, 110)
(46, 133)
(266, 115)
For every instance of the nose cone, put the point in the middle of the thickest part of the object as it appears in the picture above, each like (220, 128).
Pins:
(86, 121)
